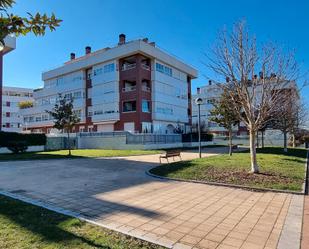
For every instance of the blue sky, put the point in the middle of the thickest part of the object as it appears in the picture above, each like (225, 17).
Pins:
(183, 28)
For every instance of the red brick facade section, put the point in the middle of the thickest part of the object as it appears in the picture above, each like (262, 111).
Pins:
(137, 74)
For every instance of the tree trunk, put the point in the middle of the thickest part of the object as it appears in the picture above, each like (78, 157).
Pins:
(293, 140)
(254, 165)
(257, 139)
(69, 144)
(230, 142)
(285, 141)
(262, 139)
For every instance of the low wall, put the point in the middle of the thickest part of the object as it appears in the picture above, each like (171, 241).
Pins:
(119, 142)
(4, 150)
(60, 143)
(106, 142)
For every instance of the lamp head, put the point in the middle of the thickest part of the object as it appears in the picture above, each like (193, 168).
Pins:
(199, 101)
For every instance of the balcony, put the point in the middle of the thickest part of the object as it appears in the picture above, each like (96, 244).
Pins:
(127, 66)
(145, 66)
(146, 89)
(129, 89)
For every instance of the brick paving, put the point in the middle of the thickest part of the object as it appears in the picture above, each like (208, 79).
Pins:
(117, 194)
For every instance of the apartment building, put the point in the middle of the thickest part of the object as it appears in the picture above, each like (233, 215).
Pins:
(134, 86)
(211, 93)
(10, 44)
(12, 119)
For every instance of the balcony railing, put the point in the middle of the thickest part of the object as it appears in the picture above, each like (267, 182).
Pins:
(128, 66)
(146, 88)
(146, 67)
(129, 89)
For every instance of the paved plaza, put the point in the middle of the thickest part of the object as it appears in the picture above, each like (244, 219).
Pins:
(117, 194)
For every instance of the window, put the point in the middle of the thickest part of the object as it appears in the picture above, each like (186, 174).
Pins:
(146, 127)
(97, 71)
(77, 95)
(109, 68)
(38, 119)
(78, 113)
(68, 95)
(98, 112)
(164, 69)
(145, 106)
(45, 117)
(78, 78)
(211, 101)
(168, 111)
(59, 81)
(159, 67)
(129, 106)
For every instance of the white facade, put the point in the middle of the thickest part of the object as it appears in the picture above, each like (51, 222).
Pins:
(100, 105)
(211, 93)
(12, 120)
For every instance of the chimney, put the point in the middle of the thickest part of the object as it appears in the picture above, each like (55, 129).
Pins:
(122, 39)
(88, 50)
(72, 56)
(145, 40)
(152, 44)
(198, 90)
(210, 82)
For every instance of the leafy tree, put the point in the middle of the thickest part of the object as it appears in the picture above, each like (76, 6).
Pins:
(224, 114)
(64, 116)
(17, 25)
(25, 104)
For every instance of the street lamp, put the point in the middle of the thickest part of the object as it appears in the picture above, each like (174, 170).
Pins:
(199, 102)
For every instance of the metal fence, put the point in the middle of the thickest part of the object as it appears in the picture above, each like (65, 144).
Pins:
(103, 134)
(153, 138)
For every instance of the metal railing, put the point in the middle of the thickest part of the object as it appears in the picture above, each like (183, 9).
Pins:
(146, 88)
(128, 66)
(129, 89)
(137, 138)
(146, 67)
(153, 138)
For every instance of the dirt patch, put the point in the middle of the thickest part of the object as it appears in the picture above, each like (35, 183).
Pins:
(243, 177)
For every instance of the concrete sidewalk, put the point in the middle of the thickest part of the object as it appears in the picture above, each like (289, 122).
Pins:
(117, 194)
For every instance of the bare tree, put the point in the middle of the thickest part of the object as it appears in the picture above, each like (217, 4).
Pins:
(255, 77)
(224, 114)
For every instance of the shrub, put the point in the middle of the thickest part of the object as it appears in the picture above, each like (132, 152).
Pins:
(25, 104)
(30, 139)
(193, 137)
(17, 146)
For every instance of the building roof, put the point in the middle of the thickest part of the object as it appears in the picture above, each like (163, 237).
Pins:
(120, 51)
(16, 89)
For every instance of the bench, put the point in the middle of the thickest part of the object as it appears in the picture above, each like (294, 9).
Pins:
(170, 153)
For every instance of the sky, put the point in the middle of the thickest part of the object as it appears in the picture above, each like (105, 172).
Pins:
(185, 28)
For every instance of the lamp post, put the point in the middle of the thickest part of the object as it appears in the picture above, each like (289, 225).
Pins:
(199, 102)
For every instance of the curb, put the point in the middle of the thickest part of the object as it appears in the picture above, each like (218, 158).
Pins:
(256, 189)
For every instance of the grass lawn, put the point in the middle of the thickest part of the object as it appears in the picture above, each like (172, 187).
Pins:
(27, 226)
(278, 170)
(58, 154)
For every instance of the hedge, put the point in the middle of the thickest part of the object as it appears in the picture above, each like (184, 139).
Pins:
(30, 139)
(193, 137)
